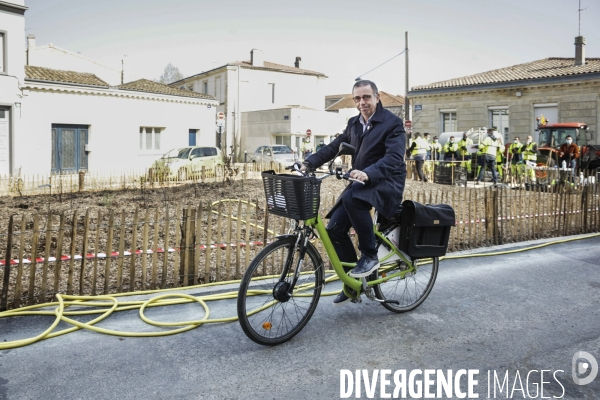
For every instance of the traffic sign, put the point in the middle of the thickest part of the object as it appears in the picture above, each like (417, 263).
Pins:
(220, 119)
(408, 123)
(308, 132)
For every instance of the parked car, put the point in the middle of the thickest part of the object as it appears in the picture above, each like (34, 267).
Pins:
(188, 162)
(278, 153)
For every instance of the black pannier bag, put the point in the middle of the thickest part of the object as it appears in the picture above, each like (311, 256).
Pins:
(425, 229)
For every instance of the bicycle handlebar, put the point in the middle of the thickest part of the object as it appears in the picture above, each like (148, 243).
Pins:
(308, 171)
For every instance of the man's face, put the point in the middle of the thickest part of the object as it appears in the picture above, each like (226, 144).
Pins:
(367, 100)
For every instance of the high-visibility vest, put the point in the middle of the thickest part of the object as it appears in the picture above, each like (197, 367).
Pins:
(436, 147)
(450, 147)
(529, 152)
(490, 146)
(421, 147)
(511, 150)
(464, 143)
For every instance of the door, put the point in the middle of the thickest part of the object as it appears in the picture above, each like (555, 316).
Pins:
(68, 148)
(4, 141)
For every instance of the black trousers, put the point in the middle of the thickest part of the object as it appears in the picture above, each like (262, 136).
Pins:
(352, 213)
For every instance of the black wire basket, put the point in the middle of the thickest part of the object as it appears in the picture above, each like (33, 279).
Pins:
(292, 196)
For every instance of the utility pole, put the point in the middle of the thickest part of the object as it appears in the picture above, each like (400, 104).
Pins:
(406, 101)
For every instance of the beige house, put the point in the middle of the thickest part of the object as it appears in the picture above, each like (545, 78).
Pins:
(510, 99)
(344, 105)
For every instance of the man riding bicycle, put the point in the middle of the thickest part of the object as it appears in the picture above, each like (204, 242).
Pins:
(380, 142)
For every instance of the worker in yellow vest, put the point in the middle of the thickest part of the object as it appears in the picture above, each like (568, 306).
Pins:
(451, 150)
(418, 152)
(463, 152)
(500, 160)
(436, 149)
(529, 152)
(489, 145)
(516, 160)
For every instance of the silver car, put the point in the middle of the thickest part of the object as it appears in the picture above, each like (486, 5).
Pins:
(278, 153)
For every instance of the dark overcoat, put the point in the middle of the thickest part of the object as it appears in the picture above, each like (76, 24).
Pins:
(380, 154)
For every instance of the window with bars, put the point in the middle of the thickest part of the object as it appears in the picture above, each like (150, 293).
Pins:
(150, 138)
(449, 121)
(499, 121)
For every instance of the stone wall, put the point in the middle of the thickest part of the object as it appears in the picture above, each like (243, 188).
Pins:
(577, 102)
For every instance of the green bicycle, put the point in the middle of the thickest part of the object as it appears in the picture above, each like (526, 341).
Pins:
(281, 287)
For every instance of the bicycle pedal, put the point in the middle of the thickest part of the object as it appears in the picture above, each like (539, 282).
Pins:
(357, 300)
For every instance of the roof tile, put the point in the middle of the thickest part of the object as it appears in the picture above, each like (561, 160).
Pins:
(56, 75)
(145, 85)
(387, 100)
(540, 69)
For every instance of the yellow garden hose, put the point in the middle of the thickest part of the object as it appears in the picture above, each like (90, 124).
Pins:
(105, 305)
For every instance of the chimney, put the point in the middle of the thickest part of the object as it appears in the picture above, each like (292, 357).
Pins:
(579, 50)
(30, 47)
(297, 62)
(256, 58)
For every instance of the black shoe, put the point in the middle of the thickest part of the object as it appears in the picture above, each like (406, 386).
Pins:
(364, 267)
(477, 182)
(341, 299)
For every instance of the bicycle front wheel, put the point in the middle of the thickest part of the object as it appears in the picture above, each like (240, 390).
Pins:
(410, 289)
(269, 312)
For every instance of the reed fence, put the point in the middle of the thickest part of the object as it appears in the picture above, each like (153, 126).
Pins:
(136, 249)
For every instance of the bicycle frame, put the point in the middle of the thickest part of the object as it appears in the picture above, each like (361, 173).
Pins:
(352, 283)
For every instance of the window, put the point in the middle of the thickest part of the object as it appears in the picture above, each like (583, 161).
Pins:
(193, 137)
(2, 52)
(205, 87)
(150, 138)
(272, 92)
(499, 121)
(286, 140)
(449, 121)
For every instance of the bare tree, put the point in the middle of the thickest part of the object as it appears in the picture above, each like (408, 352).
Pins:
(170, 74)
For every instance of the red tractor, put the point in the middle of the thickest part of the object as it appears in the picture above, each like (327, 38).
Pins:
(551, 136)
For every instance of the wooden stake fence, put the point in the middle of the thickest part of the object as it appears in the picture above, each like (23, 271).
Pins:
(141, 249)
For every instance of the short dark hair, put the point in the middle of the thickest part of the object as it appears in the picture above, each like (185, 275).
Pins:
(490, 130)
(569, 136)
(426, 134)
(435, 137)
(451, 137)
(365, 82)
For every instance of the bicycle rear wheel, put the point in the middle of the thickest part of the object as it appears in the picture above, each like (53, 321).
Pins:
(409, 290)
(267, 313)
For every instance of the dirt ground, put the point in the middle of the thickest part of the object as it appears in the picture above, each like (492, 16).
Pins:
(157, 196)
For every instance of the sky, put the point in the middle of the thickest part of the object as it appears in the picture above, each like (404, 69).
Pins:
(341, 38)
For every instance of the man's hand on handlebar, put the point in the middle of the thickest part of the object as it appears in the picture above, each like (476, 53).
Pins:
(359, 175)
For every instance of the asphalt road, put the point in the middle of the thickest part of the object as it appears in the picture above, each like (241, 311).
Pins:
(510, 314)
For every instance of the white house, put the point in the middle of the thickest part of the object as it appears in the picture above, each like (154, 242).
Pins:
(256, 85)
(12, 59)
(52, 56)
(55, 120)
(72, 121)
